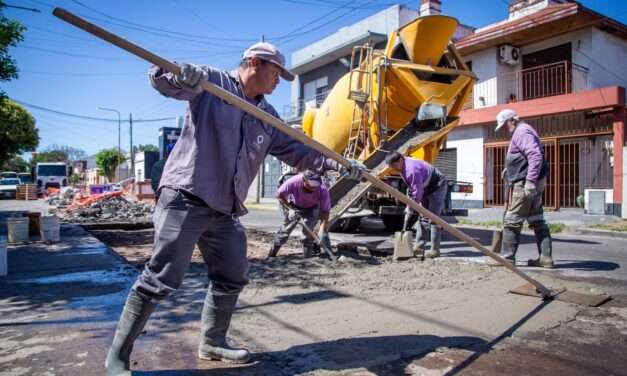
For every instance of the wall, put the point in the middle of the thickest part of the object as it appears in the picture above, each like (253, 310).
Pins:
(468, 141)
(484, 65)
(624, 209)
(606, 59)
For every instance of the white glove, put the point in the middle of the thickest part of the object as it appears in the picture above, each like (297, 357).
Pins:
(408, 211)
(325, 241)
(293, 216)
(355, 170)
(530, 188)
(191, 76)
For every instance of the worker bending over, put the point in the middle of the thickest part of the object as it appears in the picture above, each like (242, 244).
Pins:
(526, 171)
(304, 196)
(427, 186)
(202, 192)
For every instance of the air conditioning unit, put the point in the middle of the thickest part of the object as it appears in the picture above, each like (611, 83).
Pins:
(509, 54)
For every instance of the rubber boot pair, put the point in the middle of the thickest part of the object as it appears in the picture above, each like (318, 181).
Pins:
(134, 316)
(544, 244)
(421, 238)
(436, 237)
(509, 247)
(215, 321)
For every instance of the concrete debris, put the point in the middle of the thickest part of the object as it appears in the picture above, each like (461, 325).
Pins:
(110, 209)
(62, 198)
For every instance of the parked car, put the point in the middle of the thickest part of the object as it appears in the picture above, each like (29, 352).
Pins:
(8, 174)
(25, 178)
(8, 187)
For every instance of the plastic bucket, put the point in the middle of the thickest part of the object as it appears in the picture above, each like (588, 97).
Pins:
(18, 229)
(3, 256)
(50, 229)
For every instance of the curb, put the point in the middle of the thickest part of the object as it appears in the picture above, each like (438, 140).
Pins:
(602, 233)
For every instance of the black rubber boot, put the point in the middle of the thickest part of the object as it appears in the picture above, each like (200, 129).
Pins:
(436, 237)
(511, 239)
(215, 322)
(309, 250)
(132, 321)
(421, 238)
(544, 244)
(274, 250)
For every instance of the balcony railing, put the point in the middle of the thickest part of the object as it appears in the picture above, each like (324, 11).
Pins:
(538, 82)
(295, 110)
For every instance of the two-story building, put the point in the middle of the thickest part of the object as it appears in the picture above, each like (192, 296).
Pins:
(558, 63)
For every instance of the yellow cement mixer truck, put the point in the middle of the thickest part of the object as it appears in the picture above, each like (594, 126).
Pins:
(406, 97)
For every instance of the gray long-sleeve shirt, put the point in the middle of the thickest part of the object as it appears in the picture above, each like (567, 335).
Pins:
(221, 147)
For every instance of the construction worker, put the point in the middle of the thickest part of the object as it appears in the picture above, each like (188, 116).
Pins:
(305, 197)
(526, 171)
(201, 194)
(427, 186)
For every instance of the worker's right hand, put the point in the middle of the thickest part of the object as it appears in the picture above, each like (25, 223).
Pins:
(355, 170)
(191, 76)
(293, 216)
(408, 211)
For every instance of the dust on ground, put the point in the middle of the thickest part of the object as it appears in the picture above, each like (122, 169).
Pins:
(373, 316)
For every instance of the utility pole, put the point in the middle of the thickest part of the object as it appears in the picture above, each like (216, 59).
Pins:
(130, 125)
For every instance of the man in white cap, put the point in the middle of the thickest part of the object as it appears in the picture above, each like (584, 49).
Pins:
(202, 192)
(526, 171)
(303, 196)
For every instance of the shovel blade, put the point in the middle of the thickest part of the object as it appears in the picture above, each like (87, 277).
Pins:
(403, 245)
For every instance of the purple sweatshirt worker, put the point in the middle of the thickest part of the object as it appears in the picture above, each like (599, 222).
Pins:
(425, 185)
(303, 195)
(526, 171)
(201, 195)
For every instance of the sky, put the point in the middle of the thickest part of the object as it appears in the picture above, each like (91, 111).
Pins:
(64, 69)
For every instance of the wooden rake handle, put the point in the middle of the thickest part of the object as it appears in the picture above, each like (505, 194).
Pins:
(283, 127)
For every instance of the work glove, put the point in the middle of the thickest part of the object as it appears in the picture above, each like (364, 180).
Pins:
(408, 211)
(293, 216)
(325, 241)
(354, 171)
(530, 188)
(190, 77)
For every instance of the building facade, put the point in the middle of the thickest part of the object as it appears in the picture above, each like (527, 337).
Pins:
(549, 60)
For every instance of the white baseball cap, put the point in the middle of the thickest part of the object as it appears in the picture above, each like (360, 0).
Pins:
(269, 52)
(504, 116)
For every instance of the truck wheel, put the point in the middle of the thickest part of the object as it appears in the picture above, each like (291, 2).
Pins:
(392, 222)
(346, 224)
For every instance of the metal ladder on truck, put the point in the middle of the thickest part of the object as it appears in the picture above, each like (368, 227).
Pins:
(361, 59)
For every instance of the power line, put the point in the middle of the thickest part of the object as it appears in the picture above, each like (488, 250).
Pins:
(84, 117)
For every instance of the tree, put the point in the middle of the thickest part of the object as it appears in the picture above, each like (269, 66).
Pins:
(71, 153)
(17, 130)
(107, 160)
(49, 156)
(17, 164)
(147, 147)
(11, 32)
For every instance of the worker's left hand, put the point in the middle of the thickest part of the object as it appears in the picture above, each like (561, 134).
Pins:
(355, 170)
(325, 241)
(530, 188)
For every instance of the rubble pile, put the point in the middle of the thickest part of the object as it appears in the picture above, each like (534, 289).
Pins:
(110, 209)
(62, 198)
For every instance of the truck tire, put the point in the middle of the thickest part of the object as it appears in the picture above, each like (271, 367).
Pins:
(392, 222)
(346, 224)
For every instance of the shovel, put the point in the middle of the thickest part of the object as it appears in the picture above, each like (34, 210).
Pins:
(403, 241)
(497, 235)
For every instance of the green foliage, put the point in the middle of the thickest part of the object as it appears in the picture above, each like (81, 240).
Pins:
(71, 153)
(556, 227)
(147, 147)
(49, 156)
(107, 160)
(17, 130)
(75, 179)
(17, 164)
(11, 32)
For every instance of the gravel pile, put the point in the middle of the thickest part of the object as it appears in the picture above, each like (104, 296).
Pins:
(111, 209)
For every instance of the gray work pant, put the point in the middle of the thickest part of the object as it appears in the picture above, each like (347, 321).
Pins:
(182, 221)
(525, 207)
(434, 202)
(309, 215)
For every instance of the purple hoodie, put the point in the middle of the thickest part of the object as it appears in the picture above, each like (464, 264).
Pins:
(525, 141)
